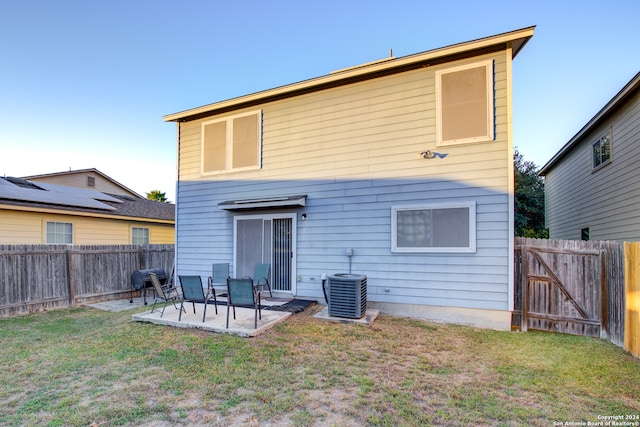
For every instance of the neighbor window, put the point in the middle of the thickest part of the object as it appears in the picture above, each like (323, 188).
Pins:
(448, 227)
(91, 181)
(232, 143)
(585, 234)
(59, 233)
(464, 104)
(602, 151)
(139, 236)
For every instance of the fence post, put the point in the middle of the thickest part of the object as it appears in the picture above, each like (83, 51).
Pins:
(525, 288)
(72, 292)
(604, 294)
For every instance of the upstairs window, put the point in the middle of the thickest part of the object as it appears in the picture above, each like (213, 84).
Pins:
(464, 104)
(436, 228)
(59, 233)
(602, 151)
(232, 143)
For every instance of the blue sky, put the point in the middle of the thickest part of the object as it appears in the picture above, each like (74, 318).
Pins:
(85, 83)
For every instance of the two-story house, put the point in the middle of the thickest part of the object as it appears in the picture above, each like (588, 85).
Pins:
(400, 169)
(592, 185)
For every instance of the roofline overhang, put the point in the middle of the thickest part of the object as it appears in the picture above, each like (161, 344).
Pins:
(515, 40)
(625, 92)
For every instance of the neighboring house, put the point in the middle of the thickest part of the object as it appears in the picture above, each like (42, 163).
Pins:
(592, 185)
(346, 173)
(39, 212)
(91, 179)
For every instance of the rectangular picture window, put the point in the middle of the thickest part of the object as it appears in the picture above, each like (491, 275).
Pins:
(434, 228)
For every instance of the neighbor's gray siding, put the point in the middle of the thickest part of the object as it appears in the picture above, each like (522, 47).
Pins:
(354, 150)
(606, 200)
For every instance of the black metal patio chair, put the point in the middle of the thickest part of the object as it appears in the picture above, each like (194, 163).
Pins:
(241, 292)
(192, 291)
(166, 292)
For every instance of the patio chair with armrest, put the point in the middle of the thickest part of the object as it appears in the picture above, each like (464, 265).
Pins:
(166, 292)
(192, 291)
(241, 292)
(218, 278)
(261, 278)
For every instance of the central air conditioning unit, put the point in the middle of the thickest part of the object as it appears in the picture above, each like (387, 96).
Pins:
(348, 295)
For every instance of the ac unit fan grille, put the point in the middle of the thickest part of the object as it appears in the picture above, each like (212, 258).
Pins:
(348, 295)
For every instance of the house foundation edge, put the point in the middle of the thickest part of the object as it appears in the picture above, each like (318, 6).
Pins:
(480, 318)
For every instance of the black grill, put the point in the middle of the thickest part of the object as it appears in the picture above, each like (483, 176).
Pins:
(140, 281)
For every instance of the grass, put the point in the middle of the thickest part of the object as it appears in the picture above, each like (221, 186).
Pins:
(82, 367)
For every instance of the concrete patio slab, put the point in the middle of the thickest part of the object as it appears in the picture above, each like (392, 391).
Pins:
(121, 304)
(242, 325)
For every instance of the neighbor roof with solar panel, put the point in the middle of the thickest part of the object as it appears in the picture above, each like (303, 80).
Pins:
(26, 191)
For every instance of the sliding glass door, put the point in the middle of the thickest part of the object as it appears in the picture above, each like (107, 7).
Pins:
(268, 239)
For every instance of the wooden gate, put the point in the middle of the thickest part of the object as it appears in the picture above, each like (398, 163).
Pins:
(563, 290)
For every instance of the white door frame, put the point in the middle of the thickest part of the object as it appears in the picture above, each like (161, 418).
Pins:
(288, 215)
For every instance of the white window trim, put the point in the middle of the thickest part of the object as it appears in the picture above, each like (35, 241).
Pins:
(471, 205)
(229, 142)
(490, 135)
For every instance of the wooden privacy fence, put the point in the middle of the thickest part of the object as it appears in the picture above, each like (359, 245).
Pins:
(578, 287)
(632, 285)
(39, 277)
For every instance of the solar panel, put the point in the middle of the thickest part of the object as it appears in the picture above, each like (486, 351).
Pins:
(57, 195)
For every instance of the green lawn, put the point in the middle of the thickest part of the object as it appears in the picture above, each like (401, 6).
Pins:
(82, 367)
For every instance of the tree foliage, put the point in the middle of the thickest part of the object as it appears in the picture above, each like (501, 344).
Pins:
(157, 196)
(529, 199)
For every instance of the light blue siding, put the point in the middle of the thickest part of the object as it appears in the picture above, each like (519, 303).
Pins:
(357, 215)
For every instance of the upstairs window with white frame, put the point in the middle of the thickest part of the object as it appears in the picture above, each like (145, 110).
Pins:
(602, 151)
(59, 233)
(435, 228)
(232, 143)
(465, 104)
